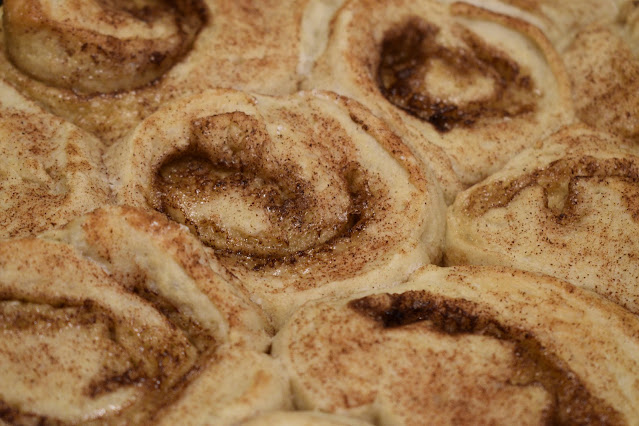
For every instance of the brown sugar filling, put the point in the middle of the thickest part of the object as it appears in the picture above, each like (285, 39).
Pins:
(408, 54)
(130, 361)
(558, 180)
(199, 175)
(534, 364)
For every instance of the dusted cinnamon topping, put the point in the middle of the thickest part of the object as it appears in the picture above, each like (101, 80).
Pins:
(299, 196)
(413, 64)
(117, 12)
(44, 340)
(559, 180)
(466, 345)
(100, 46)
(572, 403)
(568, 208)
(197, 335)
(469, 81)
(105, 65)
(200, 186)
(50, 171)
(604, 69)
(130, 326)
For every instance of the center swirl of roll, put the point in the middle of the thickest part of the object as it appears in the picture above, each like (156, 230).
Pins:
(451, 86)
(242, 193)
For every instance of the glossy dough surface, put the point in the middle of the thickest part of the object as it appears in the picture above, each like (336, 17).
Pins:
(466, 345)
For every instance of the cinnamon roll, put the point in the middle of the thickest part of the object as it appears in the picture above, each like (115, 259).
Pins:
(560, 21)
(99, 46)
(466, 345)
(107, 64)
(598, 41)
(566, 208)
(50, 170)
(478, 84)
(603, 61)
(123, 315)
(300, 197)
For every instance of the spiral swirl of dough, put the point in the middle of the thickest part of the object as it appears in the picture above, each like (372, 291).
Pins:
(99, 46)
(603, 62)
(567, 208)
(50, 171)
(123, 314)
(466, 345)
(598, 41)
(300, 196)
(480, 85)
(560, 21)
(105, 65)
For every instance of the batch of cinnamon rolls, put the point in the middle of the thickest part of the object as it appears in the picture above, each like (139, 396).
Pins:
(319, 212)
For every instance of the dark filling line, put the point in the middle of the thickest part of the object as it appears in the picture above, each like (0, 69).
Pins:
(407, 53)
(87, 313)
(194, 174)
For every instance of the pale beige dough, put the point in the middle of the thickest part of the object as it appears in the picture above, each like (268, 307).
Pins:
(487, 85)
(567, 208)
(599, 43)
(301, 196)
(50, 170)
(603, 62)
(559, 20)
(130, 321)
(466, 345)
(110, 63)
